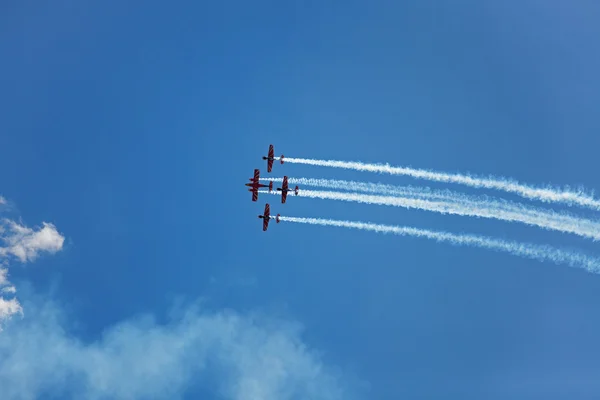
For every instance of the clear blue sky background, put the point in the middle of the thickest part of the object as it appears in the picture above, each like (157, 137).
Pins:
(133, 125)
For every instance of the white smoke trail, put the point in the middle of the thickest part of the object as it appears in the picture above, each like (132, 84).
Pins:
(368, 187)
(543, 219)
(392, 190)
(527, 250)
(465, 201)
(545, 194)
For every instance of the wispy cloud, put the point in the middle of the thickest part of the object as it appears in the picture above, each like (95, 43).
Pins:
(234, 356)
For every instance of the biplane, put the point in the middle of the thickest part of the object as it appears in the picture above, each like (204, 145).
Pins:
(285, 189)
(266, 217)
(271, 157)
(255, 185)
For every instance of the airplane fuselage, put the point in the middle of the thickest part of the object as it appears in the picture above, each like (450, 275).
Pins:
(255, 185)
(286, 190)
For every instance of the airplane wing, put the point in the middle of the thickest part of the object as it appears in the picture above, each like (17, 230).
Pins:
(270, 158)
(284, 189)
(267, 217)
(256, 175)
(254, 194)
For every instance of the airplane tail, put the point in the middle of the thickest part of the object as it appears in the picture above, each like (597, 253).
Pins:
(296, 190)
(281, 159)
(271, 186)
(277, 218)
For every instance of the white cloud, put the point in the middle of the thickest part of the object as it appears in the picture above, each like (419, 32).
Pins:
(3, 277)
(2, 200)
(238, 357)
(9, 289)
(11, 306)
(26, 243)
(5, 286)
(8, 308)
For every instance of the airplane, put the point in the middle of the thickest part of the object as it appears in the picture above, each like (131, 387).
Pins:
(255, 185)
(284, 189)
(271, 157)
(266, 217)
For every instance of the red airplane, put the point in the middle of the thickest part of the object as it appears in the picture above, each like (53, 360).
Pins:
(266, 217)
(271, 157)
(255, 185)
(285, 189)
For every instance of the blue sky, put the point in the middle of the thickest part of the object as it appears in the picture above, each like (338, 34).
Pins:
(131, 126)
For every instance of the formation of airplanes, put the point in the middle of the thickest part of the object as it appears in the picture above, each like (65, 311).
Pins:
(255, 185)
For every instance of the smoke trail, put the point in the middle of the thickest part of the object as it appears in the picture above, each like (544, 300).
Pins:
(375, 188)
(543, 219)
(545, 194)
(527, 250)
(465, 201)
(393, 190)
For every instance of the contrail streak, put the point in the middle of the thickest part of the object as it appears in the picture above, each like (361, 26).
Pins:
(543, 219)
(545, 194)
(527, 250)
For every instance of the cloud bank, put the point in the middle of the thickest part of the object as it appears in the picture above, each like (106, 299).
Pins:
(232, 356)
(224, 355)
